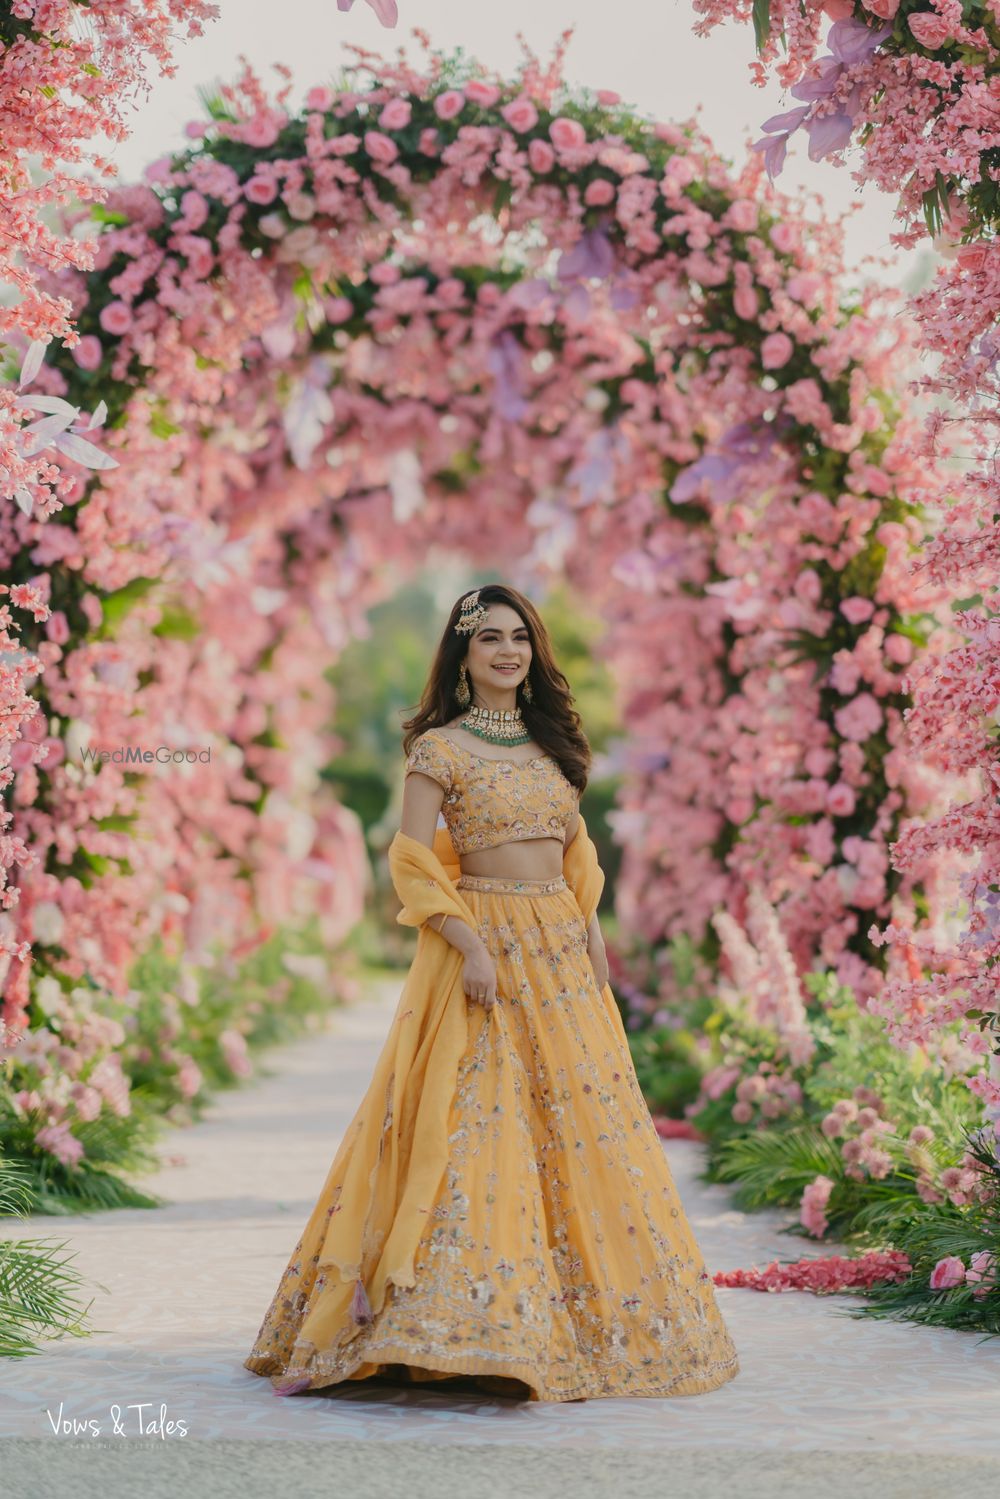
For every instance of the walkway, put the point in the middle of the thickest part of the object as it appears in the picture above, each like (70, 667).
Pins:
(822, 1400)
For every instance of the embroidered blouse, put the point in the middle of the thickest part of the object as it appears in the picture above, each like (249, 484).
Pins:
(488, 801)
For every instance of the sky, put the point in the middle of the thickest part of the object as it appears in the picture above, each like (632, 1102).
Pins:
(645, 50)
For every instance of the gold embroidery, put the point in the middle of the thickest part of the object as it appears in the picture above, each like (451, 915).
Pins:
(487, 801)
(556, 1253)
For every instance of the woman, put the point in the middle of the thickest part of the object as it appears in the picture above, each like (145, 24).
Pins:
(500, 1213)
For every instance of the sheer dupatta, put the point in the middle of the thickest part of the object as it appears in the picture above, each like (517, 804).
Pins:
(390, 1165)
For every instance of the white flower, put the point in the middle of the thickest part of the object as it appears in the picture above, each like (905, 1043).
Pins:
(59, 427)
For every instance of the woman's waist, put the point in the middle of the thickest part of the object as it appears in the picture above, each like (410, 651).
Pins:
(528, 859)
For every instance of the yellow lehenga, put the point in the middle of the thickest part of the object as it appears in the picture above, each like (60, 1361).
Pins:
(500, 1207)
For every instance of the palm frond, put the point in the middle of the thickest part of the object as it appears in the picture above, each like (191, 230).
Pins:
(775, 1166)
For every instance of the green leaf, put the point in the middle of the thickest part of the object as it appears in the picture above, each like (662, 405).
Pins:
(761, 22)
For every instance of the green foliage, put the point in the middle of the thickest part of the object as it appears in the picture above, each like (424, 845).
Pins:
(38, 1284)
(267, 998)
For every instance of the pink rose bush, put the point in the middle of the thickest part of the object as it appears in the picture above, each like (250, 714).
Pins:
(916, 97)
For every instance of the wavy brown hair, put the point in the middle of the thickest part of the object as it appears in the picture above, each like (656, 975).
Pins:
(550, 717)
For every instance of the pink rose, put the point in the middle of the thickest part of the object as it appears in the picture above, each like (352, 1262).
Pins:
(931, 31)
(818, 760)
(319, 98)
(477, 91)
(194, 209)
(520, 114)
(57, 627)
(300, 206)
(776, 350)
(808, 587)
(884, 9)
(856, 609)
(599, 192)
(88, 352)
(745, 303)
(840, 800)
(858, 719)
(899, 648)
(784, 237)
(261, 190)
(395, 115)
(449, 104)
(116, 318)
(338, 309)
(608, 97)
(262, 131)
(742, 215)
(428, 143)
(948, 1272)
(541, 157)
(567, 135)
(380, 148)
(838, 10)
(384, 273)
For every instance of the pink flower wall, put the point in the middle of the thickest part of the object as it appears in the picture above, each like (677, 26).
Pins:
(320, 358)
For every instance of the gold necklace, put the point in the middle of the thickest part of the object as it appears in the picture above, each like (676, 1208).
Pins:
(496, 725)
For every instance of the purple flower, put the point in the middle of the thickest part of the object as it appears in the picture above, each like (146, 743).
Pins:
(852, 41)
(828, 133)
(787, 121)
(384, 9)
(505, 361)
(773, 147)
(592, 255)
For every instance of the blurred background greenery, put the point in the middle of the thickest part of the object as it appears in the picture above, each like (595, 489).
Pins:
(378, 682)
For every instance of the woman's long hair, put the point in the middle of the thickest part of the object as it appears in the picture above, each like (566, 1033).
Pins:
(550, 717)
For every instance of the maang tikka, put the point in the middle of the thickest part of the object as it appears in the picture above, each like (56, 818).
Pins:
(471, 615)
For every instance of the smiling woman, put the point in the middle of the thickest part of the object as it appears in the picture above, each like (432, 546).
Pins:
(501, 1208)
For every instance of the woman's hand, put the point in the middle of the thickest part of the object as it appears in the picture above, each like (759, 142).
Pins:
(597, 953)
(479, 976)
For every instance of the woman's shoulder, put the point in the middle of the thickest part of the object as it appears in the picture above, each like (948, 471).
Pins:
(437, 734)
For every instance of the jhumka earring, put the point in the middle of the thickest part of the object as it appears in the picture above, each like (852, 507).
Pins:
(526, 691)
(462, 694)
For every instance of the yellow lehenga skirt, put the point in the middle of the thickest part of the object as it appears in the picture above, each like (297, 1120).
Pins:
(520, 1220)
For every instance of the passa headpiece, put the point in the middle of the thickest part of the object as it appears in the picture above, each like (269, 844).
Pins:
(472, 614)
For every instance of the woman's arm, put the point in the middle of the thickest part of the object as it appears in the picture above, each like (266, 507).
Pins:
(422, 799)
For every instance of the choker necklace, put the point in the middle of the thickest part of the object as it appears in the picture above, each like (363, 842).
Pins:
(496, 725)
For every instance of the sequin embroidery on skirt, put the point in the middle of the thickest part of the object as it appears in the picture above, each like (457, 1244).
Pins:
(557, 1261)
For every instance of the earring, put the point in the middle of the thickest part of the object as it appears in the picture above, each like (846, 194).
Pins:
(526, 690)
(462, 694)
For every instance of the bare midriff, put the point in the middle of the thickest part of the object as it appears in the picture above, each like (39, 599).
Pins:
(528, 859)
(525, 859)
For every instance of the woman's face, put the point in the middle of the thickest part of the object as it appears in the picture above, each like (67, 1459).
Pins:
(501, 640)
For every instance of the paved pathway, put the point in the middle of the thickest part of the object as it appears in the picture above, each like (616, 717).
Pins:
(822, 1400)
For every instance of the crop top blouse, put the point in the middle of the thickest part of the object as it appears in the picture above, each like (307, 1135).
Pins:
(489, 801)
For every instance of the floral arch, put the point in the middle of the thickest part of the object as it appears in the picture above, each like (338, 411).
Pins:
(439, 306)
